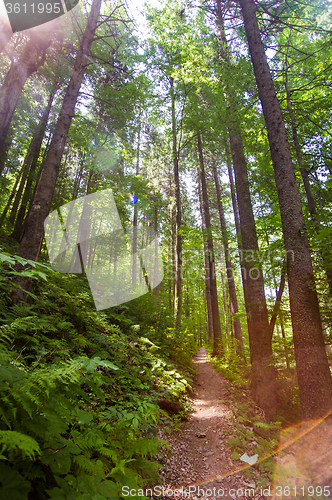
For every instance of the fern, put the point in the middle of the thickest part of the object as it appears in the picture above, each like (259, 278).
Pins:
(12, 441)
(69, 420)
(86, 465)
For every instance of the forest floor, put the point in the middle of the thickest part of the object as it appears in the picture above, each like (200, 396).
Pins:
(200, 456)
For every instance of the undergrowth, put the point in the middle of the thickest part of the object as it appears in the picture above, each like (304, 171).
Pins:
(80, 389)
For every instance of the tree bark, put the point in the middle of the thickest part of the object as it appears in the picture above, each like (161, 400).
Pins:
(235, 207)
(263, 374)
(314, 376)
(156, 252)
(218, 349)
(35, 152)
(263, 384)
(134, 247)
(34, 229)
(277, 304)
(225, 306)
(229, 269)
(12, 194)
(25, 169)
(5, 35)
(32, 58)
(206, 265)
(6, 145)
(283, 334)
(178, 273)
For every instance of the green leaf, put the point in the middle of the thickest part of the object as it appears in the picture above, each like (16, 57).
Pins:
(56, 494)
(147, 341)
(14, 486)
(6, 258)
(83, 417)
(108, 489)
(58, 463)
(108, 364)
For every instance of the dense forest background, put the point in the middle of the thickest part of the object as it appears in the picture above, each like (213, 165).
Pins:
(213, 129)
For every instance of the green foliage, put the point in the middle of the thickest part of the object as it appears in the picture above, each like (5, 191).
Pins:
(249, 433)
(79, 391)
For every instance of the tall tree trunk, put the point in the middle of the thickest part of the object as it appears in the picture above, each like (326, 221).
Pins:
(6, 145)
(206, 265)
(229, 269)
(25, 169)
(314, 376)
(35, 152)
(233, 195)
(156, 252)
(178, 274)
(277, 304)
(32, 58)
(5, 35)
(283, 334)
(217, 338)
(235, 207)
(171, 254)
(225, 306)
(134, 249)
(41, 203)
(264, 386)
(264, 375)
(12, 194)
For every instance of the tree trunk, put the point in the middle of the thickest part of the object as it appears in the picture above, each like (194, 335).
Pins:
(18, 195)
(206, 265)
(5, 35)
(233, 195)
(12, 194)
(32, 58)
(225, 306)
(41, 203)
(235, 208)
(218, 349)
(156, 252)
(134, 248)
(229, 269)
(178, 273)
(264, 386)
(264, 375)
(6, 145)
(277, 304)
(35, 152)
(314, 376)
(284, 341)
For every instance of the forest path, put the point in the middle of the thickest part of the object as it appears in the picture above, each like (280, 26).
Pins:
(201, 458)
(200, 454)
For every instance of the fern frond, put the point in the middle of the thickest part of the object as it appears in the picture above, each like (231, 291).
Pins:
(91, 466)
(11, 441)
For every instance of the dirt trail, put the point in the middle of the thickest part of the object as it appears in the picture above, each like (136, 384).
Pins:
(200, 454)
(201, 457)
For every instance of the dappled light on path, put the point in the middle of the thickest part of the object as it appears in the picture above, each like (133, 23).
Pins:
(200, 454)
(201, 458)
